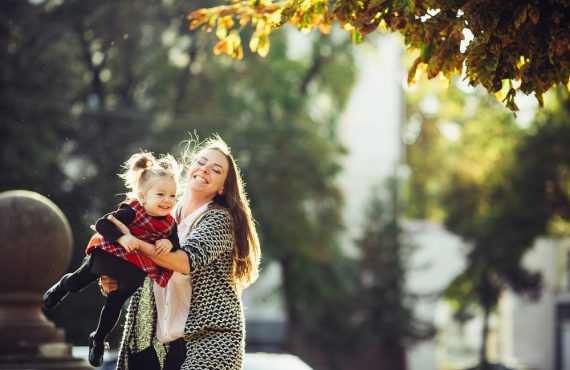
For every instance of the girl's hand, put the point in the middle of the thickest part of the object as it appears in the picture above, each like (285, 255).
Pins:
(163, 246)
(107, 285)
(129, 242)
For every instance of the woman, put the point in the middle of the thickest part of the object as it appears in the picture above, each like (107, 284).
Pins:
(199, 314)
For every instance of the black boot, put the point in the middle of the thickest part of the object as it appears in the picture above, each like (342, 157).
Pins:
(55, 294)
(96, 350)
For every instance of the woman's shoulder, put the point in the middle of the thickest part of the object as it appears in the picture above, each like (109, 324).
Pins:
(218, 212)
(216, 216)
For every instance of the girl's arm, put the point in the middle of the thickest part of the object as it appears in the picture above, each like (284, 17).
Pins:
(108, 230)
(112, 234)
(175, 261)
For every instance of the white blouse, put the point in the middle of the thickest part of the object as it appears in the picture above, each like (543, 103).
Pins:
(173, 301)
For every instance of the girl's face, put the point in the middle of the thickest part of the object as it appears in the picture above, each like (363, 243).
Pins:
(208, 173)
(160, 196)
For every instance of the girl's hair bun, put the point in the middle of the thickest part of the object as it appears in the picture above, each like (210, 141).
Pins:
(142, 161)
(143, 167)
(164, 164)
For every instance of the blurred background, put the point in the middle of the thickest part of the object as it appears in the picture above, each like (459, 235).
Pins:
(420, 228)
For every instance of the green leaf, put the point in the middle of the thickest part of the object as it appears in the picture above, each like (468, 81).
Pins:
(520, 15)
(356, 37)
(406, 6)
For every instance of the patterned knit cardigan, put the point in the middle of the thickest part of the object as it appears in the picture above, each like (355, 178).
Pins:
(214, 332)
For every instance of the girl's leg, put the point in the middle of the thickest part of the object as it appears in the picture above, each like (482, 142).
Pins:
(69, 283)
(111, 311)
(128, 284)
(110, 316)
(80, 279)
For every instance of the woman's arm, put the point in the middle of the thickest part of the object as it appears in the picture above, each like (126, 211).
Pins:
(175, 261)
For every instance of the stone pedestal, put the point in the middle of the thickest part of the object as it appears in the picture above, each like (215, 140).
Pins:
(36, 249)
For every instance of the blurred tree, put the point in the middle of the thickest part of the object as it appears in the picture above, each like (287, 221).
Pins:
(31, 69)
(85, 84)
(461, 147)
(503, 221)
(453, 130)
(384, 322)
(517, 45)
(493, 182)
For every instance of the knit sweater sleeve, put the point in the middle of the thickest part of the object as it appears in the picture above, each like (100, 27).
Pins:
(211, 238)
(108, 230)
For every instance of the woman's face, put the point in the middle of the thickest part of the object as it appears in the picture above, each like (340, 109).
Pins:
(208, 173)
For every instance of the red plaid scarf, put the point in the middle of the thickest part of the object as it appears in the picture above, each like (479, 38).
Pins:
(143, 227)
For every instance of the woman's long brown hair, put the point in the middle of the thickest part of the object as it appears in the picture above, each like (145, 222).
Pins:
(247, 251)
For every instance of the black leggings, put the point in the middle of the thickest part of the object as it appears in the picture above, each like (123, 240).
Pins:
(129, 277)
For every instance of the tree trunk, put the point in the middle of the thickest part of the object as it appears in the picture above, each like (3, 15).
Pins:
(294, 335)
(393, 355)
(97, 85)
(484, 334)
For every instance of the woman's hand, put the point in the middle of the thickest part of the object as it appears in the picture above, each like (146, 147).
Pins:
(163, 246)
(121, 226)
(129, 242)
(107, 285)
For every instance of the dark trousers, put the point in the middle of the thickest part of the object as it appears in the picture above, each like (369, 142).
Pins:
(176, 355)
(129, 277)
(147, 359)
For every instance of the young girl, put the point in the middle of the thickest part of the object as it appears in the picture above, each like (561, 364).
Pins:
(153, 186)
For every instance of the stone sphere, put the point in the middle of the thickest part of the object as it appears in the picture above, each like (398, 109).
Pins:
(36, 242)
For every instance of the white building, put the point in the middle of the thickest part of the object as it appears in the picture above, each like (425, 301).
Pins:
(370, 127)
(539, 332)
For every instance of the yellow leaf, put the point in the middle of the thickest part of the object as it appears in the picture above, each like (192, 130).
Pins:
(254, 42)
(221, 30)
(199, 15)
(416, 71)
(194, 24)
(237, 52)
(502, 94)
(228, 21)
(244, 21)
(221, 47)
(234, 34)
(274, 19)
(260, 27)
(325, 28)
(263, 48)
